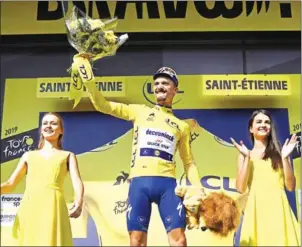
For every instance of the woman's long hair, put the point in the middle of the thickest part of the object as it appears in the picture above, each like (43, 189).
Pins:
(273, 148)
(41, 139)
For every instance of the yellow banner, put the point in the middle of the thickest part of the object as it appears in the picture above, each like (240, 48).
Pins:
(45, 17)
(246, 85)
(115, 87)
(59, 87)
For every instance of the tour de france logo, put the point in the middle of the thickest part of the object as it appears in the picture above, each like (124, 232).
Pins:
(15, 146)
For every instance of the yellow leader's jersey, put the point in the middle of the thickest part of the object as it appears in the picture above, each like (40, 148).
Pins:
(158, 134)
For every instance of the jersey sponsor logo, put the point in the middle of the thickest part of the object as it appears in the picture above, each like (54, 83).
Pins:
(134, 146)
(141, 219)
(156, 153)
(179, 208)
(129, 209)
(157, 143)
(172, 124)
(151, 117)
(169, 218)
(193, 136)
(160, 134)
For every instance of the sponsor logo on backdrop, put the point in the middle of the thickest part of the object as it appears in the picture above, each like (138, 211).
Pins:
(9, 206)
(7, 218)
(11, 201)
(156, 16)
(122, 178)
(212, 182)
(120, 207)
(219, 9)
(15, 146)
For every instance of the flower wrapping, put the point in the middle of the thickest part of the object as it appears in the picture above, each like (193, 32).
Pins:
(93, 39)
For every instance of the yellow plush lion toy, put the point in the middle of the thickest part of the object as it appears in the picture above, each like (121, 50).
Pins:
(216, 212)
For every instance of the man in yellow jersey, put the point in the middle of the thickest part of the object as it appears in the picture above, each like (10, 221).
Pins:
(157, 136)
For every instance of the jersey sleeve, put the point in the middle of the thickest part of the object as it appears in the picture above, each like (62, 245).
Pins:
(184, 147)
(186, 155)
(119, 110)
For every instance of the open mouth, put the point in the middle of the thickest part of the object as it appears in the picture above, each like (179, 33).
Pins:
(161, 91)
(48, 131)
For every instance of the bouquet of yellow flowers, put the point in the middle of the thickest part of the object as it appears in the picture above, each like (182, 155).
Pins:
(93, 39)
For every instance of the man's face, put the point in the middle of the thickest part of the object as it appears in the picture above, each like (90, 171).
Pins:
(164, 90)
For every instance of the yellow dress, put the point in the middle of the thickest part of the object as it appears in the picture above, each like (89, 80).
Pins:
(268, 219)
(42, 219)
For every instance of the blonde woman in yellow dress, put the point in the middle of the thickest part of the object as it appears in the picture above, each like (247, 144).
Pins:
(266, 171)
(43, 217)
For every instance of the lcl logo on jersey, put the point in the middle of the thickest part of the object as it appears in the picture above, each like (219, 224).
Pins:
(149, 93)
(172, 124)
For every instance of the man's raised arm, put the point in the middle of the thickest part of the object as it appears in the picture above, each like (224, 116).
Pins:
(119, 110)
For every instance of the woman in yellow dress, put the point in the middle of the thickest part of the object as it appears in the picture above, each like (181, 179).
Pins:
(43, 217)
(266, 171)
